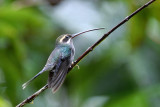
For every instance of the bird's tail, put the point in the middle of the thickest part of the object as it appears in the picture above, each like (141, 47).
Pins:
(28, 82)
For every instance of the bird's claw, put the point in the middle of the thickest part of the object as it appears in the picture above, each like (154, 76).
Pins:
(75, 65)
(78, 66)
(31, 102)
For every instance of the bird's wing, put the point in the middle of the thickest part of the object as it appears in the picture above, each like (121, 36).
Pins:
(57, 76)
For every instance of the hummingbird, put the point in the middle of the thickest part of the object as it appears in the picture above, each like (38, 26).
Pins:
(59, 61)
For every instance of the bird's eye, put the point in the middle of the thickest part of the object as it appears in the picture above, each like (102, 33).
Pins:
(67, 37)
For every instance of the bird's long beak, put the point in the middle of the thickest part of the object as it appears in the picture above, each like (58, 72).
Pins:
(77, 34)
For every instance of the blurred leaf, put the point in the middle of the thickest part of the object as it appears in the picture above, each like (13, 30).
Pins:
(4, 103)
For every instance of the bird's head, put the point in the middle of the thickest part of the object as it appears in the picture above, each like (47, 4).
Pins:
(64, 39)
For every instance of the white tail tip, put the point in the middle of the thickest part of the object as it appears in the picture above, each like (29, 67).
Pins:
(24, 85)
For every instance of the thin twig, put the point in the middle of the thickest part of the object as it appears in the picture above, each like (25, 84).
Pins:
(32, 97)
(108, 33)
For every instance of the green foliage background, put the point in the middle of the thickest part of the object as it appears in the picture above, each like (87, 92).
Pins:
(123, 73)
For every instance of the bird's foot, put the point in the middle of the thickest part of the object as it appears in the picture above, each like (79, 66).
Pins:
(75, 65)
(78, 66)
(31, 102)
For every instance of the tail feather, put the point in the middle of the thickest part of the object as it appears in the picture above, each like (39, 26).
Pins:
(54, 78)
(55, 81)
(28, 82)
(59, 83)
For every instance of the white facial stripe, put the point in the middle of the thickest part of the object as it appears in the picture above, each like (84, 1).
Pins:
(61, 40)
(69, 41)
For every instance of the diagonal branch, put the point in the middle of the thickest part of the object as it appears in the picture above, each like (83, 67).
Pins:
(113, 29)
(32, 97)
